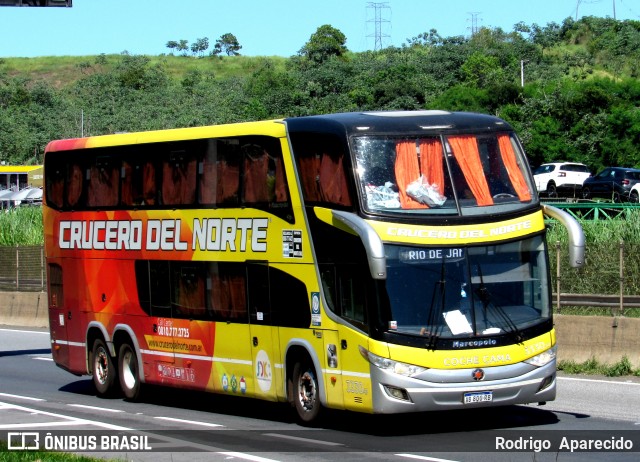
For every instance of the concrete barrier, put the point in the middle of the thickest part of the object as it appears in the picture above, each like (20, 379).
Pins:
(579, 337)
(26, 309)
(604, 338)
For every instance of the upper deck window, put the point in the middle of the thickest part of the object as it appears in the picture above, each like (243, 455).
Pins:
(454, 175)
(246, 171)
(322, 163)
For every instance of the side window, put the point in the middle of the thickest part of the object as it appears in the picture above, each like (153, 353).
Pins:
(322, 165)
(188, 290)
(74, 191)
(153, 281)
(54, 181)
(138, 183)
(219, 173)
(227, 291)
(289, 300)
(347, 292)
(277, 298)
(55, 286)
(103, 183)
(179, 178)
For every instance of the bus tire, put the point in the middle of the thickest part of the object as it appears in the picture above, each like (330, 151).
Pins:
(306, 392)
(129, 372)
(103, 369)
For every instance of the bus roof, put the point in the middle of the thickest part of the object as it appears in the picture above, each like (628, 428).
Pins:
(425, 121)
(273, 128)
(428, 121)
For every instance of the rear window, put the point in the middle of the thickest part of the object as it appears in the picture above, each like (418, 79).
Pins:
(632, 175)
(575, 168)
(544, 169)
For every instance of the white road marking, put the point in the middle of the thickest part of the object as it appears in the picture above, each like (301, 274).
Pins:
(66, 418)
(430, 459)
(240, 455)
(599, 381)
(95, 408)
(306, 440)
(28, 398)
(192, 422)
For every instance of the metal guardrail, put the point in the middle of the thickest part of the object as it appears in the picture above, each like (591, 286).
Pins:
(607, 301)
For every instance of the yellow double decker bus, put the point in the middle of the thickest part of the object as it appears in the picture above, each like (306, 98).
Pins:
(382, 262)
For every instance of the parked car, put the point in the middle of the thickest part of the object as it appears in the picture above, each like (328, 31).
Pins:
(560, 178)
(634, 194)
(613, 183)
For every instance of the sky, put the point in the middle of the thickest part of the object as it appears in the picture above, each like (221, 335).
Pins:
(269, 28)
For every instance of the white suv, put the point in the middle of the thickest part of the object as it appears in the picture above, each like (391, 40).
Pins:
(557, 178)
(634, 194)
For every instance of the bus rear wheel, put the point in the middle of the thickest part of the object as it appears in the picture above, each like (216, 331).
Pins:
(129, 372)
(306, 394)
(104, 371)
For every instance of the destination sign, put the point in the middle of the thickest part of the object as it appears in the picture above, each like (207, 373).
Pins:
(431, 255)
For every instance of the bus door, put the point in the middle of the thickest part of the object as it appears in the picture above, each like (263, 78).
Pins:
(333, 371)
(231, 337)
(58, 316)
(264, 337)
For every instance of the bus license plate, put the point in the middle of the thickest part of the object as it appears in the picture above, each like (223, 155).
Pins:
(478, 397)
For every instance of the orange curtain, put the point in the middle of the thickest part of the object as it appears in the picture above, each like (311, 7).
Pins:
(256, 170)
(208, 182)
(149, 188)
(431, 162)
(515, 174)
(407, 170)
(333, 184)
(228, 182)
(309, 177)
(465, 150)
(281, 184)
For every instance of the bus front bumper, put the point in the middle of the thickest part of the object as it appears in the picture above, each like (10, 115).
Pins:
(395, 394)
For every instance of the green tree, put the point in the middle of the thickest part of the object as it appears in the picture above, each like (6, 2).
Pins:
(481, 70)
(228, 44)
(200, 46)
(325, 42)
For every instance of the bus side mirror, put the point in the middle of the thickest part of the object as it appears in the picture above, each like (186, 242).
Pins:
(372, 243)
(576, 235)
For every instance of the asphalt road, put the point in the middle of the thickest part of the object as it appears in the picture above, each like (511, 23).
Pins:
(37, 398)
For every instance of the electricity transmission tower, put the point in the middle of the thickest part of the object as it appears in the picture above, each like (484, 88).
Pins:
(474, 22)
(380, 23)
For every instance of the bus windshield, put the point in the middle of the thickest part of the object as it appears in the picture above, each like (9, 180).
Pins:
(459, 292)
(445, 175)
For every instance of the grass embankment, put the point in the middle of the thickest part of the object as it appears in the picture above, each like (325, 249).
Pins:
(40, 456)
(593, 367)
(21, 226)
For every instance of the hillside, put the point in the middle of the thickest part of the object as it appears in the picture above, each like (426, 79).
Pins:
(65, 71)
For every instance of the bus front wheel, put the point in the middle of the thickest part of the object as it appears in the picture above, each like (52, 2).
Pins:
(129, 372)
(104, 371)
(306, 397)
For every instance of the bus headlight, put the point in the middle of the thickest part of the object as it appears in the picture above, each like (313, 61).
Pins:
(543, 358)
(408, 370)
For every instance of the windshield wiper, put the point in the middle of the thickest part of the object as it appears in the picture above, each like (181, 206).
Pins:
(486, 298)
(436, 309)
